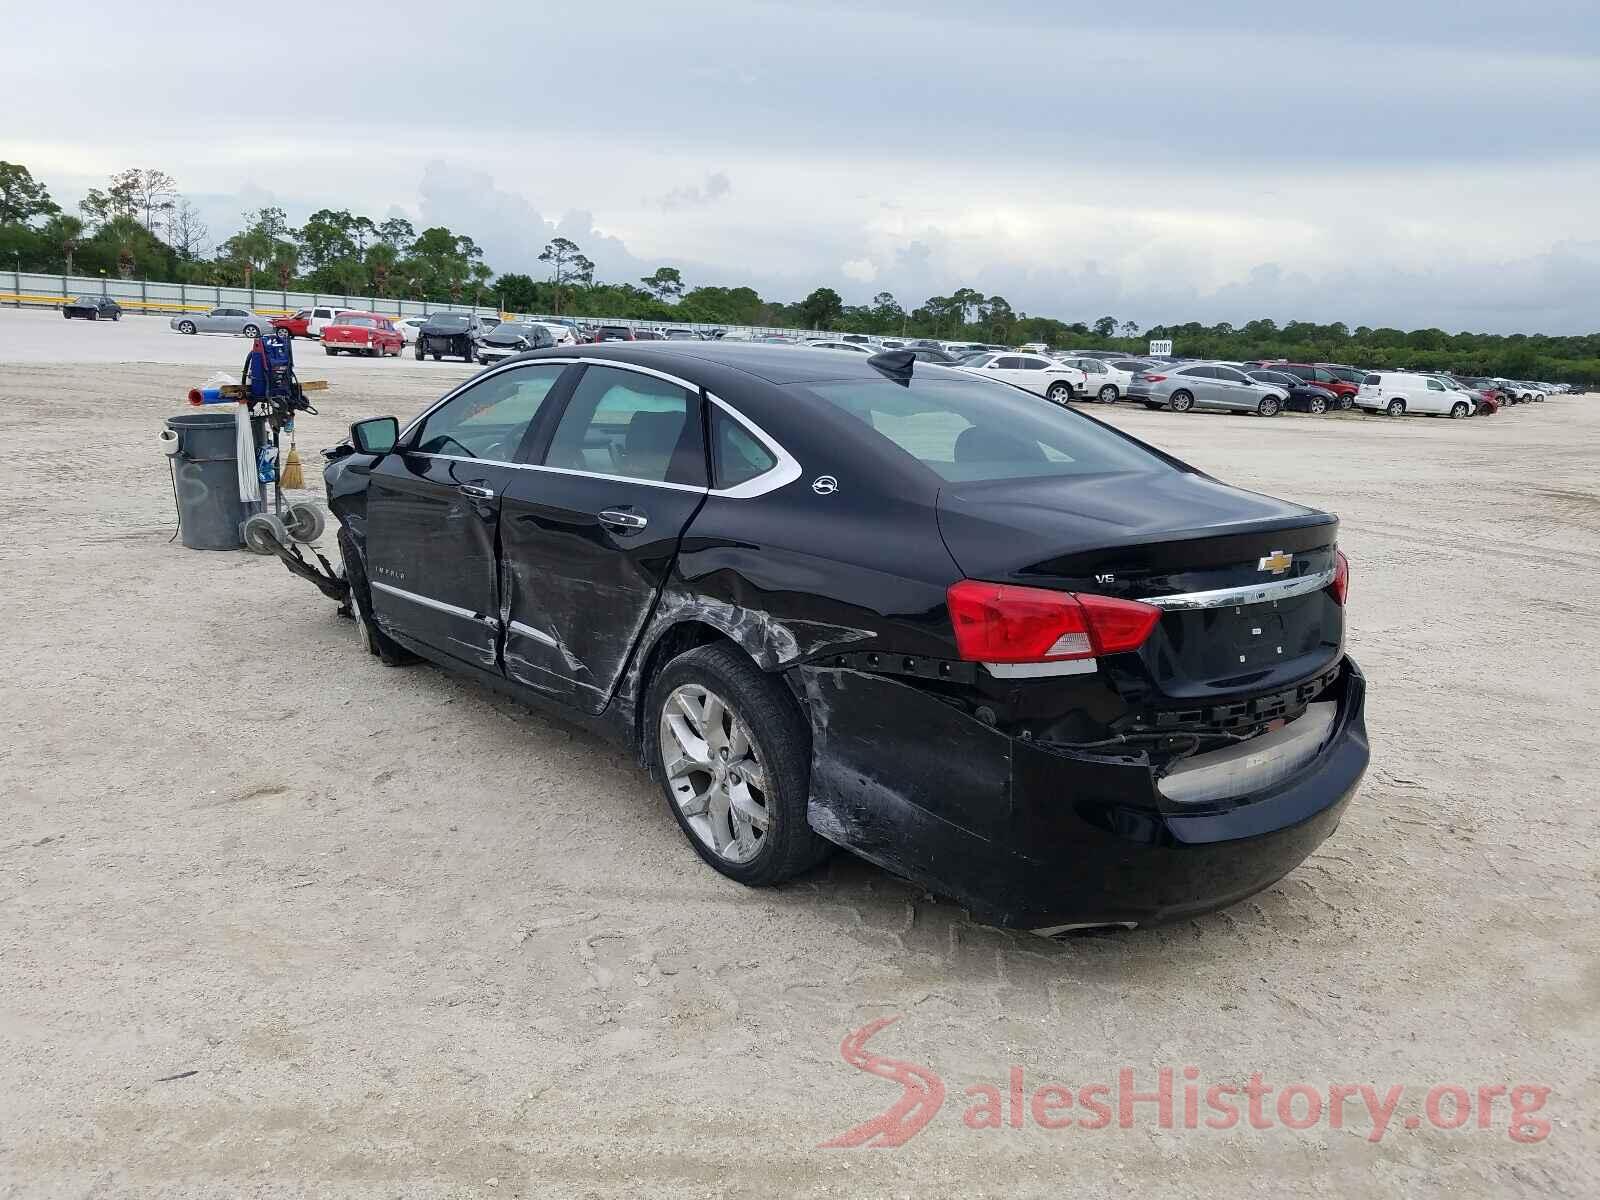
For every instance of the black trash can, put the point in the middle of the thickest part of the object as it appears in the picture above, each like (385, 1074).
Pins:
(210, 512)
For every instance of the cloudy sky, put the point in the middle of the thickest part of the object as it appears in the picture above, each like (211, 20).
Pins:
(1380, 162)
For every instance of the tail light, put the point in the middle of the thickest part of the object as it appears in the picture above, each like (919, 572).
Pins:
(1002, 623)
(1340, 587)
(1152, 378)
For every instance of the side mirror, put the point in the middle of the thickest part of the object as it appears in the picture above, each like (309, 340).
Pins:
(375, 435)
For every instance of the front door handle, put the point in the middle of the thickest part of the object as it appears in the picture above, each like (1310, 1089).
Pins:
(476, 491)
(622, 519)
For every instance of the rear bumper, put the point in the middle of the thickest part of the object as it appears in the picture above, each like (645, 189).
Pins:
(1035, 838)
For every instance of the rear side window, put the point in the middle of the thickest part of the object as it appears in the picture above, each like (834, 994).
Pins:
(1306, 373)
(736, 455)
(972, 429)
(1373, 380)
(637, 426)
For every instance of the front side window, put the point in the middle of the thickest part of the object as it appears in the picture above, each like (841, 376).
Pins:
(968, 430)
(1435, 386)
(1008, 364)
(637, 426)
(489, 419)
(1229, 375)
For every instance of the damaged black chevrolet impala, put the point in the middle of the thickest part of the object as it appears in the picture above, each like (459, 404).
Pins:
(986, 642)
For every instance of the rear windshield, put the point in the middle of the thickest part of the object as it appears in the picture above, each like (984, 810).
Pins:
(444, 322)
(364, 322)
(966, 430)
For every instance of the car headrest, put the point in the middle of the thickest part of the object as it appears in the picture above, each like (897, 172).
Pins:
(975, 444)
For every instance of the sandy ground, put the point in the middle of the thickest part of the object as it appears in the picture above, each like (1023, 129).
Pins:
(277, 920)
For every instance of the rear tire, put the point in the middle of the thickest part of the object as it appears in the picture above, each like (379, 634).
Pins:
(379, 644)
(1396, 407)
(418, 352)
(1109, 394)
(94, 314)
(1059, 393)
(251, 331)
(186, 327)
(775, 748)
(329, 351)
(1182, 402)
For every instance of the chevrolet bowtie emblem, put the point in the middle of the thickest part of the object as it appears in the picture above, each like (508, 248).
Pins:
(1277, 562)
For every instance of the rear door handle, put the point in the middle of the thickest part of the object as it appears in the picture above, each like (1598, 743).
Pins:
(475, 491)
(622, 519)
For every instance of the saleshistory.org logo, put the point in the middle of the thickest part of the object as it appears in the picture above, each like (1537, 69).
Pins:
(1179, 1098)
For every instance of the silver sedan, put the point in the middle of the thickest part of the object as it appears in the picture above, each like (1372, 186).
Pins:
(1214, 386)
(225, 318)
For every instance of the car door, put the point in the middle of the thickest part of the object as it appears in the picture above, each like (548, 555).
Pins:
(1199, 382)
(1435, 399)
(590, 533)
(1009, 368)
(1234, 390)
(433, 513)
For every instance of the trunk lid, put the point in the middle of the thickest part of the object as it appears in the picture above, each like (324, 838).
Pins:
(1242, 578)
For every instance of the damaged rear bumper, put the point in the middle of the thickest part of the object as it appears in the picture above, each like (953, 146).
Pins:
(1038, 838)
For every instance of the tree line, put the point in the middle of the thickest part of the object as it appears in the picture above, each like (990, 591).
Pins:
(141, 226)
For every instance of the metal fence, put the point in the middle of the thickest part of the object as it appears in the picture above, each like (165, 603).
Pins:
(30, 289)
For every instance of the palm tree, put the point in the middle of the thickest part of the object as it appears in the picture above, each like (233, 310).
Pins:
(67, 233)
(124, 232)
(285, 257)
(381, 258)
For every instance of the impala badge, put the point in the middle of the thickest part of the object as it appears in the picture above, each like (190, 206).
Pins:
(824, 485)
(1277, 562)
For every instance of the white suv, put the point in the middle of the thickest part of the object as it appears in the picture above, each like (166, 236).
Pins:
(1400, 392)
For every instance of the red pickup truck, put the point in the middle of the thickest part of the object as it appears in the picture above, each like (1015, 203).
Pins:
(362, 333)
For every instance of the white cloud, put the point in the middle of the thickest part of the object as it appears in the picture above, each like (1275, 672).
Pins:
(862, 270)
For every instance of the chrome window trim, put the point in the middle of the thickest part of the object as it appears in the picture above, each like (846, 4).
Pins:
(786, 471)
(454, 610)
(1253, 593)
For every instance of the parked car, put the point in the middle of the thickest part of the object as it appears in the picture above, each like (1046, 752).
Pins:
(1298, 395)
(366, 333)
(1525, 392)
(309, 322)
(1351, 375)
(649, 335)
(682, 335)
(513, 337)
(92, 308)
(449, 335)
(926, 354)
(1322, 377)
(1488, 394)
(1054, 381)
(408, 327)
(853, 347)
(561, 333)
(1106, 381)
(1400, 392)
(991, 645)
(614, 333)
(1473, 396)
(223, 319)
(1217, 387)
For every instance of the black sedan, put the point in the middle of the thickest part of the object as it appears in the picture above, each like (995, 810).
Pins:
(990, 644)
(92, 308)
(449, 335)
(1300, 395)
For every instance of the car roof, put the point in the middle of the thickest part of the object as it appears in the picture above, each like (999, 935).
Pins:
(768, 361)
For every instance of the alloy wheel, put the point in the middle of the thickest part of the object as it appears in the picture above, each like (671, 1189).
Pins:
(713, 772)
